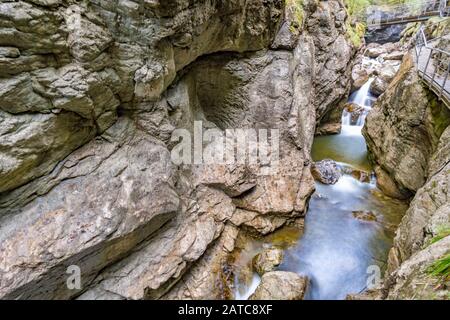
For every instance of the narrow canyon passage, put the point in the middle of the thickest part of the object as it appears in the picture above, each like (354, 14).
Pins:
(349, 226)
(219, 149)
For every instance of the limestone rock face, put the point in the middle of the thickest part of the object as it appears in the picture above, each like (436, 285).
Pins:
(96, 212)
(77, 61)
(92, 96)
(429, 210)
(413, 279)
(69, 200)
(421, 240)
(334, 55)
(403, 130)
(281, 285)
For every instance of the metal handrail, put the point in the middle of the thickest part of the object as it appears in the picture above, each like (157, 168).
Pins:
(437, 83)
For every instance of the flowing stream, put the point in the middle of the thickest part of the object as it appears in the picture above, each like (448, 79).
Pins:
(338, 252)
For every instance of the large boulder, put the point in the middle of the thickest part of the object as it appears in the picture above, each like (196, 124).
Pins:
(281, 285)
(383, 79)
(326, 171)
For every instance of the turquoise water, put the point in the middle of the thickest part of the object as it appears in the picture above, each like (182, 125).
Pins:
(339, 253)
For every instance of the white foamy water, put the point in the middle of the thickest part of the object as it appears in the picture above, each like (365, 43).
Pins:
(248, 291)
(362, 96)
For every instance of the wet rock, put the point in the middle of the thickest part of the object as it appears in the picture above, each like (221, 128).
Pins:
(360, 75)
(210, 277)
(352, 107)
(331, 123)
(355, 111)
(281, 285)
(396, 55)
(245, 277)
(374, 50)
(364, 215)
(388, 186)
(361, 176)
(382, 81)
(328, 129)
(267, 260)
(326, 171)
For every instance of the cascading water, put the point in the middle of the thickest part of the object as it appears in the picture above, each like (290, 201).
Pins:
(363, 97)
(337, 251)
(363, 100)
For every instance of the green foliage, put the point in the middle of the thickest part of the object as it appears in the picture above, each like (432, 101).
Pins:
(443, 231)
(355, 7)
(440, 268)
(439, 113)
(296, 14)
(355, 33)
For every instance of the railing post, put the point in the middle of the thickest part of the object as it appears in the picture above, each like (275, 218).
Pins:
(445, 80)
(428, 61)
(435, 69)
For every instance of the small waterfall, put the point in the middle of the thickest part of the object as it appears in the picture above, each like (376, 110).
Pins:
(337, 248)
(256, 280)
(361, 96)
(353, 120)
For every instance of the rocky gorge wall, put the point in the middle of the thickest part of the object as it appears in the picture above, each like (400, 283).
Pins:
(90, 95)
(407, 133)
